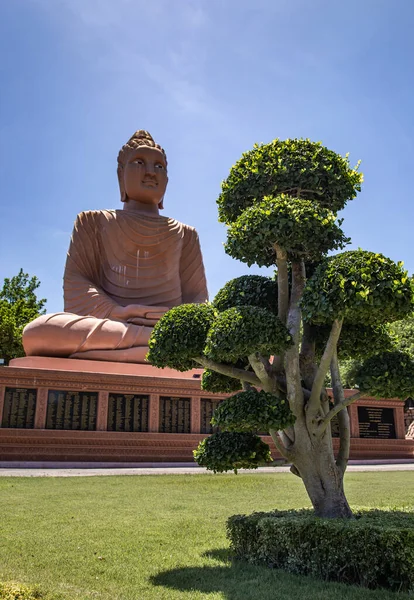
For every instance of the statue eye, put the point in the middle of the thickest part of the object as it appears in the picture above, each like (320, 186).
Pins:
(138, 161)
(159, 166)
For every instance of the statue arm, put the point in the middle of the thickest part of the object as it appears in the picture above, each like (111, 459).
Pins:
(82, 293)
(193, 278)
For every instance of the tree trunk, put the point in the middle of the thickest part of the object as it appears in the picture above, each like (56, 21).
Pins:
(323, 480)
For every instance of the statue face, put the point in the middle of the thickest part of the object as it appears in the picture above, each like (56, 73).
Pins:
(145, 175)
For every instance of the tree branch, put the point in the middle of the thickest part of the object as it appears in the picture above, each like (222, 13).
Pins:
(308, 367)
(282, 298)
(282, 284)
(292, 368)
(343, 416)
(261, 366)
(336, 409)
(285, 452)
(288, 437)
(314, 403)
(228, 370)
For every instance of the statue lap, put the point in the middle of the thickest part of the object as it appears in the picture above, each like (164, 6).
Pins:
(74, 336)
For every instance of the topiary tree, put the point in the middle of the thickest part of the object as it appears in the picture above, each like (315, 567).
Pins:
(278, 339)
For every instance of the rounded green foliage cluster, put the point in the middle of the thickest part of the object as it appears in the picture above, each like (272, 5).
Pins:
(180, 335)
(230, 451)
(248, 290)
(363, 287)
(404, 334)
(387, 375)
(253, 410)
(217, 383)
(300, 227)
(297, 167)
(356, 341)
(244, 330)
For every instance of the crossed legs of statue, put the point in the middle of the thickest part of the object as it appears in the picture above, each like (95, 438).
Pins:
(66, 335)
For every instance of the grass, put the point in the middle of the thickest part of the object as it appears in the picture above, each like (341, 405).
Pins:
(162, 537)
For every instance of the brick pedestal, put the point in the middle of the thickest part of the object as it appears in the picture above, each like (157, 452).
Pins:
(80, 380)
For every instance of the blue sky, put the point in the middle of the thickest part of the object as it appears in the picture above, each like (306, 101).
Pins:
(208, 79)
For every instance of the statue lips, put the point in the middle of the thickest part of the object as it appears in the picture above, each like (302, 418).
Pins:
(150, 183)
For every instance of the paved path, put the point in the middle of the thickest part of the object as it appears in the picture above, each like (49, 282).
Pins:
(7, 470)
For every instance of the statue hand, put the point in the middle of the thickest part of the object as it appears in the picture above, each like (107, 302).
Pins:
(138, 314)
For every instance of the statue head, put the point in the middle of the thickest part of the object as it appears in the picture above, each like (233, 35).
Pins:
(142, 170)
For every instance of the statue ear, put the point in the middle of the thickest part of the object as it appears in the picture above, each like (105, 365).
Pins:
(161, 204)
(120, 172)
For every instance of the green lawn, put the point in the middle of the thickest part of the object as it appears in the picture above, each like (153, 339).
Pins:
(162, 537)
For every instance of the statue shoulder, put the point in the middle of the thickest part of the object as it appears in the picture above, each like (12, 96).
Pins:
(189, 231)
(92, 217)
(191, 242)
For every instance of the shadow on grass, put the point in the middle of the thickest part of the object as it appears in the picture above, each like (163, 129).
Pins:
(237, 580)
(223, 555)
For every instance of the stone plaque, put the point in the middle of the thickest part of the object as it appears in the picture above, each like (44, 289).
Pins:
(208, 406)
(128, 412)
(71, 410)
(19, 408)
(376, 422)
(175, 415)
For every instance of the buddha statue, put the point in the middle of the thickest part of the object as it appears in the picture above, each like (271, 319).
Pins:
(124, 270)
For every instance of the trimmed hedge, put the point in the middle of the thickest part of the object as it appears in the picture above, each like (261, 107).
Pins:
(376, 549)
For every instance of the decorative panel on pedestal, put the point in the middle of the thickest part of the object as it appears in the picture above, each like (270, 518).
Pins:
(128, 412)
(208, 406)
(19, 408)
(175, 415)
(71, 410)
(376, 422)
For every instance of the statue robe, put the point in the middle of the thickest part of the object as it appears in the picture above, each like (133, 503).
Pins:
(117, 257)
(120, 258)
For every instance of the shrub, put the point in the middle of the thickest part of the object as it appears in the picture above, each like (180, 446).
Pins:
(361, 286)
(376, 549)
(243, 330)
(253, 410)
(356, 341)
(229, 451)
(217, 383)
(293, 166)
(179, 336)
(287, 222)
(248, 290)
(17, 591)
(387, 375)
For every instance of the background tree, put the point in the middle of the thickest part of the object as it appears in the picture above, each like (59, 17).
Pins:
(278, 339)
(18, 306)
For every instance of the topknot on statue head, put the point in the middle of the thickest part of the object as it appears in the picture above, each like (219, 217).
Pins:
(139, 138)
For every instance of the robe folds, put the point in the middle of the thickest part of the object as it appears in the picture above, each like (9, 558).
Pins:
(117, 257)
